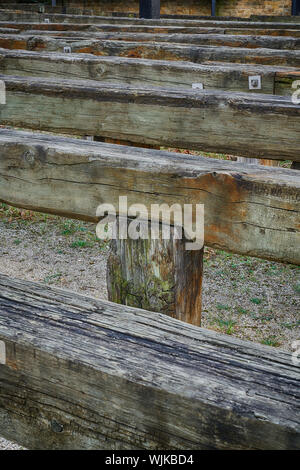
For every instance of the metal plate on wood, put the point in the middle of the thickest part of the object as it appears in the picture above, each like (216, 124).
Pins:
(2, 353)
(255, 82)
(198, 86)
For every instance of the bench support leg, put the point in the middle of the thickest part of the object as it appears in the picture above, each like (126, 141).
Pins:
(295, 166)
(158, 275)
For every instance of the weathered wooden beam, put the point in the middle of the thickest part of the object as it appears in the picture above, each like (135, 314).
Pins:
(249, 210)
(19, 16)
(103, 27)
(229, 77)
(258, 126)
(81, 373)
(251, 42)
(147, 29)
(158, 274)
(152, 50)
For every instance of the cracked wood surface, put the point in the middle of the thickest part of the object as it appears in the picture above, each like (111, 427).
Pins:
(251, 42)
(154, 50)
(258, 126)
(230, 77)
(81, 373)
(250, 210)
(148, 29)
(19, 16)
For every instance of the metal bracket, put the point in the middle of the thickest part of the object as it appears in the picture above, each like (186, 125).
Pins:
(2, 353)
(255, 82)
(198, 86)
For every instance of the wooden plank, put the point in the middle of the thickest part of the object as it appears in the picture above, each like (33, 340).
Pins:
(230, 77)
(19, 16)
(156, 51)
(123, 378)
(258, 126)
(251, 42)
(148, 29)
(263, 32)
(102, 27)
(252, 210)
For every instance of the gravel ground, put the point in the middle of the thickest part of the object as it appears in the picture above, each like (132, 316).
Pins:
(246, 297)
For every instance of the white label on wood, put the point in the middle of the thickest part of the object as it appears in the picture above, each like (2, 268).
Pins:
(2, 353)
(255, 82)
(67, 49)
(198, 86)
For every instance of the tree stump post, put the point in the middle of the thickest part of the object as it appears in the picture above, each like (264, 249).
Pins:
(157, 274)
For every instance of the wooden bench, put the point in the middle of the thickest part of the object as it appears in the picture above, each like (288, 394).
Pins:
(158, 73)
(227, 40)
(253, 211)
(153, 50)
(259, 126)
(21, 16)
(81, 373)
(176, 379)
(102, 27)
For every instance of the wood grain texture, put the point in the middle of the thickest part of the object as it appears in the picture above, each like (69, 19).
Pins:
(230, 77)
(258, 126)
(290, 32)
(252, 210)
(159, 274)
(252, 42)
(19, 16)
(154, 50)
(87, 374)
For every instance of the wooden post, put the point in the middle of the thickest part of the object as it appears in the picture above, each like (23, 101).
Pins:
(150, 9)
(295, 7)
(158, 275)
(213, 7)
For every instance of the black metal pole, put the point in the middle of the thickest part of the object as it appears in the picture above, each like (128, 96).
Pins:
(63, 8)
(150, 9)
(213, 7)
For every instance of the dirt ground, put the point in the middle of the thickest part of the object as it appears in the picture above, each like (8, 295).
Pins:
(246, 297)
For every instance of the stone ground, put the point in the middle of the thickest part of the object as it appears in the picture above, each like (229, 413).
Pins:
(246, 297)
